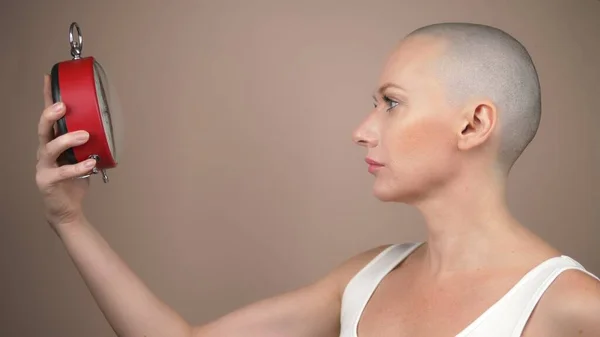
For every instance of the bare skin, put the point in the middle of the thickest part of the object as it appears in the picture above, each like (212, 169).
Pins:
(438, 159)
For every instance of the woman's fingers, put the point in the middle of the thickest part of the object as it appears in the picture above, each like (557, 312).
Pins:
(47, 92)
(49, 117)
(52, 150)
(51, 176)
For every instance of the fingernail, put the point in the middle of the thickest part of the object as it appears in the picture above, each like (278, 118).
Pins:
(57, 107)
(82, 135)
(90, 163)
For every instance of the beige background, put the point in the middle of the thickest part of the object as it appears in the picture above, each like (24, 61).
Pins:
(238, 178)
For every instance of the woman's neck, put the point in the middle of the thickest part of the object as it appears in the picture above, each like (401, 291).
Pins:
(467, 224)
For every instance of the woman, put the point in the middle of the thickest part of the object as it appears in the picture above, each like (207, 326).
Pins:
(456, 106)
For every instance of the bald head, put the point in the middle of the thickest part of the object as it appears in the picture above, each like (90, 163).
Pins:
(486, 62)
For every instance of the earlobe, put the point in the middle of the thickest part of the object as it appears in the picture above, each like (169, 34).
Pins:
(478, 125)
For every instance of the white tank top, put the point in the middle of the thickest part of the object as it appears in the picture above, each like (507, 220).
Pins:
(506, 318)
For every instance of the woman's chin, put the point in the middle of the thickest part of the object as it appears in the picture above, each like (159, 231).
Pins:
(389, 193)
(385, 194)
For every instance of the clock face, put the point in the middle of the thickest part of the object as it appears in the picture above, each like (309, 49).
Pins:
(104, 103)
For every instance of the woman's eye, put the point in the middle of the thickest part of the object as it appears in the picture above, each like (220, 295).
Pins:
(390, 103)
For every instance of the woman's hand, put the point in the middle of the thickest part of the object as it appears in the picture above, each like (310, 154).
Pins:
(62, 192)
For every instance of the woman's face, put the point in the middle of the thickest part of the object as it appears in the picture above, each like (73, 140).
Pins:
(412, 132)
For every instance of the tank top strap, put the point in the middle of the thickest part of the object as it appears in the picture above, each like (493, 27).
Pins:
(361, 287)
(510, 314)
(538, 283)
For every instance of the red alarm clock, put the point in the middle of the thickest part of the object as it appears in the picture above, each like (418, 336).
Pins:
(81, 84)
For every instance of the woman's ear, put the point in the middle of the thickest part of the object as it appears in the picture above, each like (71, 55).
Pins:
(479, 121)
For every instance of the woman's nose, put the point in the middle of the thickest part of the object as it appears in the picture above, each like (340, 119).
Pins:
(365, 135)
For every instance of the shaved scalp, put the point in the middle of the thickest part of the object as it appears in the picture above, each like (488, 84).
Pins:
(486, 62)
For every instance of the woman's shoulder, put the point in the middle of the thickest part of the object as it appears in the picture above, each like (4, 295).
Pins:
(358, 262)
(571, 304)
